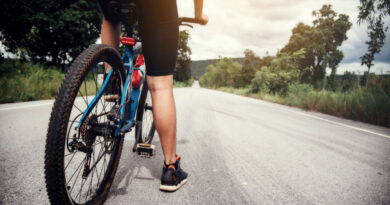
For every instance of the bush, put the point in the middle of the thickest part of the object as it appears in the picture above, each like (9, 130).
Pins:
(27, 81)
(268, 81)
(181, 84)
(385, 84)
(237, 91)
(370, 105)
(276, 78)
(225, 73)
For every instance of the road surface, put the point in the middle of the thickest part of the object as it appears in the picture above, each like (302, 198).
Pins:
(237, 150)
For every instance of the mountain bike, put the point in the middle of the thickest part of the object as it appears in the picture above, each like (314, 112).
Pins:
(88, 125)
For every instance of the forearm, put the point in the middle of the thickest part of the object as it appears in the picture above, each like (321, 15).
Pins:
(198, 4)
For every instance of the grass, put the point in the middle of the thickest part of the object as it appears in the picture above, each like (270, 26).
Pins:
(27, 81)
(371, 105)
(181, 84)
(90, 87)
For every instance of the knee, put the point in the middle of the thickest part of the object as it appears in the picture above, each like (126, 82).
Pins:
(160, 84)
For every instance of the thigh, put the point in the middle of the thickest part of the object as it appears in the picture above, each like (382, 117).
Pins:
(159, 33)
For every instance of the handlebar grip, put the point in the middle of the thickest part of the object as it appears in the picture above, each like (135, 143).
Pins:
(190, 20)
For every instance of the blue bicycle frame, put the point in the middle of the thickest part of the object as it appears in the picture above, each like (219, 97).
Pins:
(134, 93)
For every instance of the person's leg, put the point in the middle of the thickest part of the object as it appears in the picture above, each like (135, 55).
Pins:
(160, 33)
(110, 35)
(164, 113)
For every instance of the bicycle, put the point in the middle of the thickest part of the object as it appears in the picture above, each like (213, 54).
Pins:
(86, 130)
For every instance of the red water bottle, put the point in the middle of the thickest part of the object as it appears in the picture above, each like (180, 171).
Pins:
(137, 75)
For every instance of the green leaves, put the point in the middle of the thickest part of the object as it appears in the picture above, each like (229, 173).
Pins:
(183, 63)
(275, 78)
(310, 50)
(49, 31)
(373, 11)
(225, 72)
(320, 41)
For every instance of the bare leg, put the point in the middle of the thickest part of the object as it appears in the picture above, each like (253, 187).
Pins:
(110, 35)
(164, 113)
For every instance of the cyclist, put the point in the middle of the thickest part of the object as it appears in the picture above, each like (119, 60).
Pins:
(158, 25)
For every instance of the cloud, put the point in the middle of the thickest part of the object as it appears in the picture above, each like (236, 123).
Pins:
(355, 46)
(378, 68)
(263, 25)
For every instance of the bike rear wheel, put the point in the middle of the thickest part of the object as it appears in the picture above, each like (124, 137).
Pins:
(81, 162)
(146, 129)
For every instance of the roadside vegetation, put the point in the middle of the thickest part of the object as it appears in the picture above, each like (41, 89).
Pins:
(182, 84)
(49, 36)
(371, 105)
(23, 80)
(27, 81)
(296, 75)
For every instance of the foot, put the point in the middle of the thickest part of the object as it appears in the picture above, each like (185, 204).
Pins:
(111, 91)
(173, 177)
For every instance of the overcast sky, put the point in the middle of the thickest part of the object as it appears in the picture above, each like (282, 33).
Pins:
(265, 25)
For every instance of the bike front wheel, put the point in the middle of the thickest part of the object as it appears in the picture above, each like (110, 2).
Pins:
(82, 156)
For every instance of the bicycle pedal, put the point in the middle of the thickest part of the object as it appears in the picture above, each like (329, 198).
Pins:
(145, 150)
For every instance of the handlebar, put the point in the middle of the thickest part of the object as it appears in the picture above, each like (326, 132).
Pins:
(184, 20)
(190, 20)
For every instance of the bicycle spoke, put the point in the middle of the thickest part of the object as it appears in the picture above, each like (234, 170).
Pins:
(71, 153)
(82, 96)
(76, 171)
(81, 187)
(76, 176)
(97, 144)
(89, 187)
(98, 159)
(74, 105)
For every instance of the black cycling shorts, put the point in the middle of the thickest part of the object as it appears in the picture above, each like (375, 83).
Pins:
(159, 32)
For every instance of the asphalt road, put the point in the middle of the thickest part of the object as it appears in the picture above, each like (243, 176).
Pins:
(237, 150)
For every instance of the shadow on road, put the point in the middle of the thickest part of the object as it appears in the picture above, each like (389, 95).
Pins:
(132, 166)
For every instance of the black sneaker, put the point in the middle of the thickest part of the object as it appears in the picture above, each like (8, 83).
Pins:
(111, 91)
(173, 177)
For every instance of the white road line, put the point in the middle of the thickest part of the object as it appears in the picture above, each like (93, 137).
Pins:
(25, 106)
(337, 123)
(318, 118)
(37, 105)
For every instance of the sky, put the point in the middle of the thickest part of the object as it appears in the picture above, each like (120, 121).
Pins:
(265, 25)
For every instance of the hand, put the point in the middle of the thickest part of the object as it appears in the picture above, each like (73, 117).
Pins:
(203, 20)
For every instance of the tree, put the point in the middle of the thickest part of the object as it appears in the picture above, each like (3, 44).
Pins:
(283, 71)
(183, 63)
(225, 72)
(321, 42)
(49, 31)
(373, 11)
(250, 65)
(302, 37)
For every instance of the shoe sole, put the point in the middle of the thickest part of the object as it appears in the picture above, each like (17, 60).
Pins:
(172, 188)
